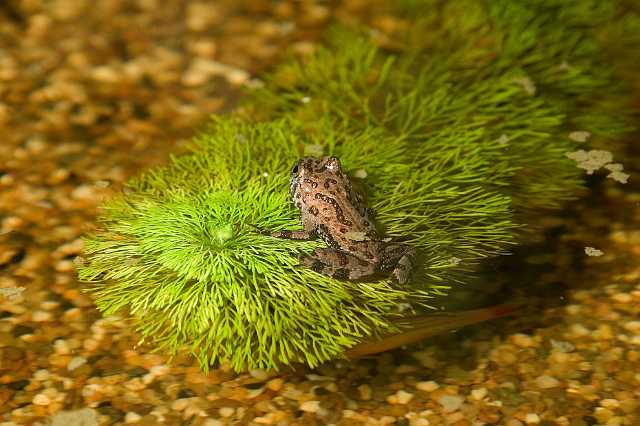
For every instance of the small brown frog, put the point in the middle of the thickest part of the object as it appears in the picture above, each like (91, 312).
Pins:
(332, 210)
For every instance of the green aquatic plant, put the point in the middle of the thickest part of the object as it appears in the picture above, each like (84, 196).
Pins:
(456, 131)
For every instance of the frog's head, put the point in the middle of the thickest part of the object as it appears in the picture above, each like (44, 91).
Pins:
(309, 167)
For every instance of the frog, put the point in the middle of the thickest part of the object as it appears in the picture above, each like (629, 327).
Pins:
(331, 209)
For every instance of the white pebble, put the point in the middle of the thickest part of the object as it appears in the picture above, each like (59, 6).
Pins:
(132, 417)
(594, 252)
(41, 399)
(76, 362)
(451, 402)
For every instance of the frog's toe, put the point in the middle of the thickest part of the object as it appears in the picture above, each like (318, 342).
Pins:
(312, 263)
(402, 273)
(341, 274)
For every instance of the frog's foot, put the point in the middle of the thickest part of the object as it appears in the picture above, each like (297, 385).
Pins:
(399, 259)
(338, 264)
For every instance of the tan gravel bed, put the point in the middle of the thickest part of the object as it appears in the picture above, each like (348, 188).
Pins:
(92, 92)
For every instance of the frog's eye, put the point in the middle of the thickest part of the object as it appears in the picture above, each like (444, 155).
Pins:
(332, 164)
(294, 171)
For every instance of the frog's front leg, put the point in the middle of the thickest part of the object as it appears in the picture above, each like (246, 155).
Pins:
(338, 264)
(398, 258)
(307, 233)
(293, 235)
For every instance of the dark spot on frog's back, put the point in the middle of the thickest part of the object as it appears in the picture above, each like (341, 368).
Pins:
(313, 210)
(328, 182)
(313, 184)
(309, 164)
(343, 230)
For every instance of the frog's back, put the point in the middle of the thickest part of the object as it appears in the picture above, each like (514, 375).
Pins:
(342, 218)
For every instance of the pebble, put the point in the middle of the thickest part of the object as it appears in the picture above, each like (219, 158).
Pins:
(532, 418)
(428, 386)
(41, 399)
(610, 403)
(310, 406)
(546, 382)
(275, 384)
(76, 362)
(579, 330)
(132, 417)
(622, 297)
(84, 192)
(180, 404)
(41, 316)
(81, 417)
(365, 392)
(400, 397)
(604, 332)
(41, 375)
(450, 402)
(632, 326)
(159, 370)
(523, 340)
(479, 393)
(259, 374)
(61, 347)
(226, 411)
(562, 346)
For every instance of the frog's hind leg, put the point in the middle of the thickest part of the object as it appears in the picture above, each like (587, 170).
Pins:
(398, 258)
(338, 264)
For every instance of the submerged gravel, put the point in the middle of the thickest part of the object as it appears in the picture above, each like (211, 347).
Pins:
(92, 92)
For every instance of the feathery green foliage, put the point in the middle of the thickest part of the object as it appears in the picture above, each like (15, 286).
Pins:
(462, 133)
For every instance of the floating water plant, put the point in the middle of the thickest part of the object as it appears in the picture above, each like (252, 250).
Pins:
(456, 129)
